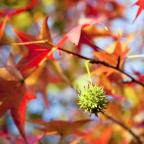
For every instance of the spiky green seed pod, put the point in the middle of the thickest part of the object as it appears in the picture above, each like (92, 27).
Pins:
(92, 99)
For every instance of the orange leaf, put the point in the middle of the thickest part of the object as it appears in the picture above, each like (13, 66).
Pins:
(115, 58)
(45, 32)
(105, 136)
(96, 135)
(61, 127)
(3, 25)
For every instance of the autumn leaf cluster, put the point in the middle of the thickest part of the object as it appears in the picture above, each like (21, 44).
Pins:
(49, 49)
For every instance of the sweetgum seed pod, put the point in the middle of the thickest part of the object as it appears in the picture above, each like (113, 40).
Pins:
(92, 99)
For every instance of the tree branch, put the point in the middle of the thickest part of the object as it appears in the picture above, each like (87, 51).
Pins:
(137, 138)
(94, 61)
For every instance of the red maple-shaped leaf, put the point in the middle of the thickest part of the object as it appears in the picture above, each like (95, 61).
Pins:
(140, 3)
(37, 53)
(73, 35)
(76, 33)
(13, 97)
